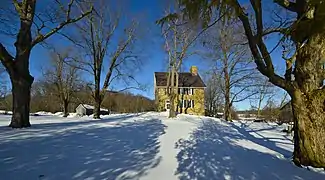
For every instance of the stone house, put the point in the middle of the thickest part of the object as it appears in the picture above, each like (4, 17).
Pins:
(191, 89)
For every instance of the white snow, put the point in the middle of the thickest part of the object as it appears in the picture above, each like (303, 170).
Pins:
(146, 146)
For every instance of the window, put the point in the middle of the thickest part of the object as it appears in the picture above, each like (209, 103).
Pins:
(185, 90)
(188, 91)
(167, 90)
(189, 103)
(191, 91)
(184, 103)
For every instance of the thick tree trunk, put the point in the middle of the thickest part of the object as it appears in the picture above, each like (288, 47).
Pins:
(309, 128)
(65, 108)
(308, 103)
(21, 102)
(18, 69)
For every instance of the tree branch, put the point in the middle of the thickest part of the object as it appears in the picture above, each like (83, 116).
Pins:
(17, 6)
(39, 38)
(6, 59)
(291, 6)
(114, 59)
(238, 100)
(264, 64)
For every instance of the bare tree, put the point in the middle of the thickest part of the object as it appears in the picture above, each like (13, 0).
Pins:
(179, 38)
(265, 92)
(97, 34)
(301, 24)
(177, 43)
(232, 64)
(214, 98)
(64, 76)
(18, 66)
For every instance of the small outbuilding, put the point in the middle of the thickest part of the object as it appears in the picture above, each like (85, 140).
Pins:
(85, 109)
(286, 114)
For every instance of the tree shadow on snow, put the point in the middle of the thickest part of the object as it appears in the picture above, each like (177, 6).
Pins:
(68, 122)
(94, 151)
(264, 141)
(210, 153)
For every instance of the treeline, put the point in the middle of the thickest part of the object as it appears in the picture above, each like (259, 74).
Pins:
(271, 112)
(43, 98)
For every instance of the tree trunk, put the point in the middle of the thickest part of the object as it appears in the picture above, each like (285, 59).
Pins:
(182, 103)
(21, 102)
(308, 103)
(96, 95)
(172, 94)
(18, 69)
(309, 128)
(227, 114)
(259, 108)
(172, 112)
(65, 108)
(98, 103)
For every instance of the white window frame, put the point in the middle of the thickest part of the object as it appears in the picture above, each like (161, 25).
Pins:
(190, 91)
(184, 103)
(182, 91)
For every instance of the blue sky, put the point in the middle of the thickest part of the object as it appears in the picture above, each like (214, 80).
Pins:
(155, 56)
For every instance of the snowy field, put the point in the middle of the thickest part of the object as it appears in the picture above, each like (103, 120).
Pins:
(146, 146)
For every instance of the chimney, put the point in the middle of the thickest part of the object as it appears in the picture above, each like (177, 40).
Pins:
(193, 70)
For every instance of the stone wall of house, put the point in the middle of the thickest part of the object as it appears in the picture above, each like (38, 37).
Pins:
(198, 98)
(161, 98)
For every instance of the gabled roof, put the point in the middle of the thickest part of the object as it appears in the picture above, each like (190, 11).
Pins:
(185, 79)
(287, 104)
(87, 106)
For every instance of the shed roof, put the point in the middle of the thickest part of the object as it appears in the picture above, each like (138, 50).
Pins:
(287, 104)
(87, 106)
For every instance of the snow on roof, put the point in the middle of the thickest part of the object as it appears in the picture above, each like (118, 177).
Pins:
(87, 106)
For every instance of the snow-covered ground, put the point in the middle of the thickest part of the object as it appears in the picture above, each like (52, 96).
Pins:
(146, 146)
